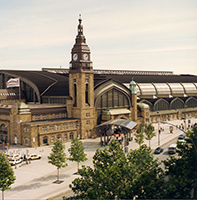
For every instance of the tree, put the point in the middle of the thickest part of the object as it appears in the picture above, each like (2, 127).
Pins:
(77, 152)
(149, 132)
(7, 177)
(139, 135)
(147, 176)
(116, 176)
(58, 156)
(182, 169)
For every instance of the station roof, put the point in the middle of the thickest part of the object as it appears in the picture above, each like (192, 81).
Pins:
(118, 122)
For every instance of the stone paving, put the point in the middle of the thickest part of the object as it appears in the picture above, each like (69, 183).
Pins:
(35, 181)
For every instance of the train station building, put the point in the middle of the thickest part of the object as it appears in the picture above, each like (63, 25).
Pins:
(56, 103)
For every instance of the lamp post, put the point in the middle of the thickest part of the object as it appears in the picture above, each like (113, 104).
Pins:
(159, 131)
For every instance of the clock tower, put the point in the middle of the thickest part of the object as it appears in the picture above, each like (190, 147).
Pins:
(81, 84)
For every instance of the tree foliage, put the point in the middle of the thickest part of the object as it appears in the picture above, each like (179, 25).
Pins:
(7, 177)
(139, 135)
(149, 132)
(115, 175)
(182, 169)
(58, 156)
(77, 152)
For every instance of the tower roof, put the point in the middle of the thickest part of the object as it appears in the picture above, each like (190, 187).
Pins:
(80, 54)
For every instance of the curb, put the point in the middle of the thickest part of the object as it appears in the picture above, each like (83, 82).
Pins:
(58, 195)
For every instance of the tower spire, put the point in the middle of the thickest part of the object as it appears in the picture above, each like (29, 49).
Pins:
(80, 54)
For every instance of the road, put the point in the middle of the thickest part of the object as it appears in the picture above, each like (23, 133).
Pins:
(164, 155)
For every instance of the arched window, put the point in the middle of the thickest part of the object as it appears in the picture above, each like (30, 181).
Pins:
(177, 104)
(45, 140)
(71, 136)
(26, 141)
(161, 104)
(112, 99)
(59, 137)
(86, 95)
(75, 94)
(191, 102)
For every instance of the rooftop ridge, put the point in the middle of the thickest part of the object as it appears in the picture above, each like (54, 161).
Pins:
(118, 72)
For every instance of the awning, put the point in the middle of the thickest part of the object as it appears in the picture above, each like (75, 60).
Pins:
(116, 111)
(118, 122)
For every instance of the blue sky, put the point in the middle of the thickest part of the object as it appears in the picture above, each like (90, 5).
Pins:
(127, 34)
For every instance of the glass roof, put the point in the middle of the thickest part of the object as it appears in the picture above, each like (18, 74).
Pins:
(147, 88)
(176, 88)
(162, 88)
(155, 89)
(190, 88)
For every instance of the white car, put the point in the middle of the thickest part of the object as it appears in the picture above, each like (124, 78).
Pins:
(15, 161)
(13, 156)
(33, 157)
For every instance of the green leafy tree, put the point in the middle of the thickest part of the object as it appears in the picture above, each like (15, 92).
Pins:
(7, 177)
(149, 132)
(77, 152)
(58, 156)
(139, 135)
(182, 169)
(104, 180)
(115, 176)
(147, 176)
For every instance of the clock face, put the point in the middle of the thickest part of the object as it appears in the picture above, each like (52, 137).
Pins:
(85, 56)
(75, 57)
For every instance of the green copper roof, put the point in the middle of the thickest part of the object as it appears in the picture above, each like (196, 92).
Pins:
(23, 108)
(143, 105)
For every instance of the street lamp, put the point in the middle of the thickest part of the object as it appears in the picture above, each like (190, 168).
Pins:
(159, 131)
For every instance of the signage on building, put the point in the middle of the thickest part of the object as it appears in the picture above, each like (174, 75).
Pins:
(9, 94)
(13, 82)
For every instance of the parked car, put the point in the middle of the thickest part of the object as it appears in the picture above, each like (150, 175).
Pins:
(14, 156)
(158, 150)
(33, 157)
(15, 161)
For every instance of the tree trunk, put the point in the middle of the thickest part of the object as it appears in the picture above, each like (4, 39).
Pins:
(58, 174)
(77, 167)
(2, 194)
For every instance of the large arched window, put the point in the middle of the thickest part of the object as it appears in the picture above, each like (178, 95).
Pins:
(112, 99)
(161, 104)
(177, 104)
(191, 102)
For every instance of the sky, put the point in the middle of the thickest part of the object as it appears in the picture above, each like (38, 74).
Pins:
(143, 35)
